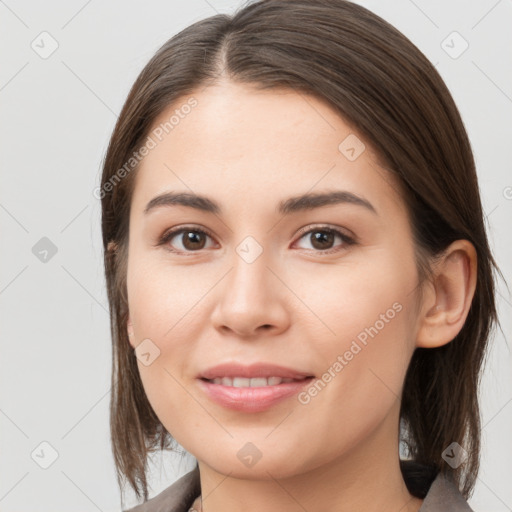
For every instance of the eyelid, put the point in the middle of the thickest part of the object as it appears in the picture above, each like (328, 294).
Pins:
(328, 227)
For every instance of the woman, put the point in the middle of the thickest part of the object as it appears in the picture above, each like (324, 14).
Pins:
(299, 277)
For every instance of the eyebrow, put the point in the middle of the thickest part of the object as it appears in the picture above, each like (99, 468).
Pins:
(308, 201)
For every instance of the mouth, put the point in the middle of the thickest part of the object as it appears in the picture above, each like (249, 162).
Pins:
(255, 382)
(254, 388)
(254, 375)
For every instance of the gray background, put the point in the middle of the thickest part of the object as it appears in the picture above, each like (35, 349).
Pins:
(57, 113)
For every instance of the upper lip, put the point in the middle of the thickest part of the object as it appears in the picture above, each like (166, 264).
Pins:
(252, 371)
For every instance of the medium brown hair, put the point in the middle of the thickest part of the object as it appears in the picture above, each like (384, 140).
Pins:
(380, 83)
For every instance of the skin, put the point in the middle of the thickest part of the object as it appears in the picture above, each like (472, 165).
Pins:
(248, 150)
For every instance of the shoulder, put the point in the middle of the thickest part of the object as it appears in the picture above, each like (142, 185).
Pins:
(444, 495)
(178, 497)
(439, 491)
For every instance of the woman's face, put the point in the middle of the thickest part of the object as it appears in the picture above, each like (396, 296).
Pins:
(268, 284)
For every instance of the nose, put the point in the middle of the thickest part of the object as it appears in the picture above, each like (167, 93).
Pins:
(252, 300)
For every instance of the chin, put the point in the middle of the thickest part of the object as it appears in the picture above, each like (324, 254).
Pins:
(245, 464)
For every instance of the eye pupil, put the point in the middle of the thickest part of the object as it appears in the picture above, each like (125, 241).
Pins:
(192, 237)
(321, 237)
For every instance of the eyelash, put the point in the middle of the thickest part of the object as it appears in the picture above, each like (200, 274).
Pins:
(347, 240)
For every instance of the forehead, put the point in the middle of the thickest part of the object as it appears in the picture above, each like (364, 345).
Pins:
(230, 119)
(250, 145)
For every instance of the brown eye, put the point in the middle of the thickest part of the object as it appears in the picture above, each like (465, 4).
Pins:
(323, 239)
(194, 239)
(191, 239)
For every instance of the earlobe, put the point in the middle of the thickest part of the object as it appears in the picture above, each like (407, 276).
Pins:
(131, 336)
(112, 248)
(447, 304)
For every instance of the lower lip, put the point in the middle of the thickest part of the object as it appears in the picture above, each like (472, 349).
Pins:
(252, 399)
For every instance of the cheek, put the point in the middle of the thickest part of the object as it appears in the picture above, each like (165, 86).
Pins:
(161, 297)
(164, 310)
(363, 364)
(361, 299)
(369, 341)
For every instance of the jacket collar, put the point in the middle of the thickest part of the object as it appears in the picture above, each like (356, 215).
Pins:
(444, 496)
(440, 495)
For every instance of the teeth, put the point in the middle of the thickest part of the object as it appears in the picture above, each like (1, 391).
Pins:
(226, 381)
(239, 382)
(242, 382)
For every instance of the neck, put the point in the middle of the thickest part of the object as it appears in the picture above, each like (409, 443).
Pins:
(368, 479)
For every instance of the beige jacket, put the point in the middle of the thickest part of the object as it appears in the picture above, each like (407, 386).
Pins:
(442, 495)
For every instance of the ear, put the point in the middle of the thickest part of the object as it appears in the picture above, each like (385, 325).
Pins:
(448, 298)
(112, 247)
(131, 335)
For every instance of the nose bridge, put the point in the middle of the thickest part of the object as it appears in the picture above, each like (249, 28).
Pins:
(251, 296)
(250, 275)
